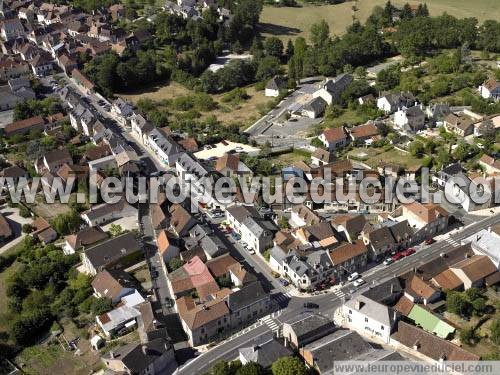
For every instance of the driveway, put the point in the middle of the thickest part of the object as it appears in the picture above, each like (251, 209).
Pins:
(16, 222)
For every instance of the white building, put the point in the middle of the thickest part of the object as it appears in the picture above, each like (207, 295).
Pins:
(369, 318)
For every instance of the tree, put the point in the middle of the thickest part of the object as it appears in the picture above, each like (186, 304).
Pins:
(468, 335)
(66, 223)
(29, 326)
(175, 263)
(417, 149)
(27, 228)
(487, 131)
(456, 303)
(320, 33)
(289, 49)
(251, 368)
(495, 331)
(274, 47)
(406, 12)
(115, 230)
(268, 67)
(422, 11)
(288, 366)
(283, 223)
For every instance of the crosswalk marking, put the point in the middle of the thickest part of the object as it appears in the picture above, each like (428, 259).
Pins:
(339, 293)
(282, 297)
(270, 323)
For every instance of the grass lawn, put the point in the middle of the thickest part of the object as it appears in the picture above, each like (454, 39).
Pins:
(5, 315)
(49, 210)
(289, 158)
(289, 23)
(245, 112)
(377, 156)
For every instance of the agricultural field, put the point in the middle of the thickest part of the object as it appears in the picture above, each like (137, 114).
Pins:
(289, 23)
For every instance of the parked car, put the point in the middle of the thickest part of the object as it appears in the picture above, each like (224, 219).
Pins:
(310, 305)
(353, 276)
(359, 282)
(430, 241)
(409, 251)
(235, 236)
(397, 256)
(388, 261)
(251, 251)
(284, 282)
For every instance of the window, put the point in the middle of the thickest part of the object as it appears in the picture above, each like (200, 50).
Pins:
(366, 320)
(350, 311)
(382, 328)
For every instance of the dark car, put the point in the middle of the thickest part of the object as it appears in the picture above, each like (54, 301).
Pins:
(310, 305)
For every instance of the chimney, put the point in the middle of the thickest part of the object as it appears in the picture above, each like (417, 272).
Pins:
(489, 229)
(392, 288)
(144, 349)
(111, 354)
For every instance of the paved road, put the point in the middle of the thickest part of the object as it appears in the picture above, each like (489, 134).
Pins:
(328, 303)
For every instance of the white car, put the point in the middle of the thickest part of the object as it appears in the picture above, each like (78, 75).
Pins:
(359, 282)
(353, 276)
(388, 261)
(251, 251)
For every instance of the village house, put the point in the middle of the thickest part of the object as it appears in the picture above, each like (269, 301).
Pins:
(153, 357)
(364, 134)
(264, 354)
(25, 126)
(416, 339)
(490, 89)
(321, 157)
(392, 102)
(6, 232)
(461, 125)
(230, 165)
(202, 236)
(164, 146)
(369, 317)
(53, 160)
(166, 247)
(43, 231)
(427, 219)
(334, 138)
(117, 252)
(13, 68)
(113, 284)
(82, 239)
(181, 221)
(105, 212)
(331, 90)
(140, 126)
(255, 231)
(123, 318)
(302, 330)
(491, 165)
(82, 81)
(340, 345)
(12, 29)
(274, 86)
(473, 271)
(193, 276)
(314, 108)
(122, 111)
(350, 226)
(410, 119)
(348, 258)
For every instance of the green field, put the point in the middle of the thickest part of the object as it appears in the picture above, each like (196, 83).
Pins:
(288, 23)
(375, 157)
